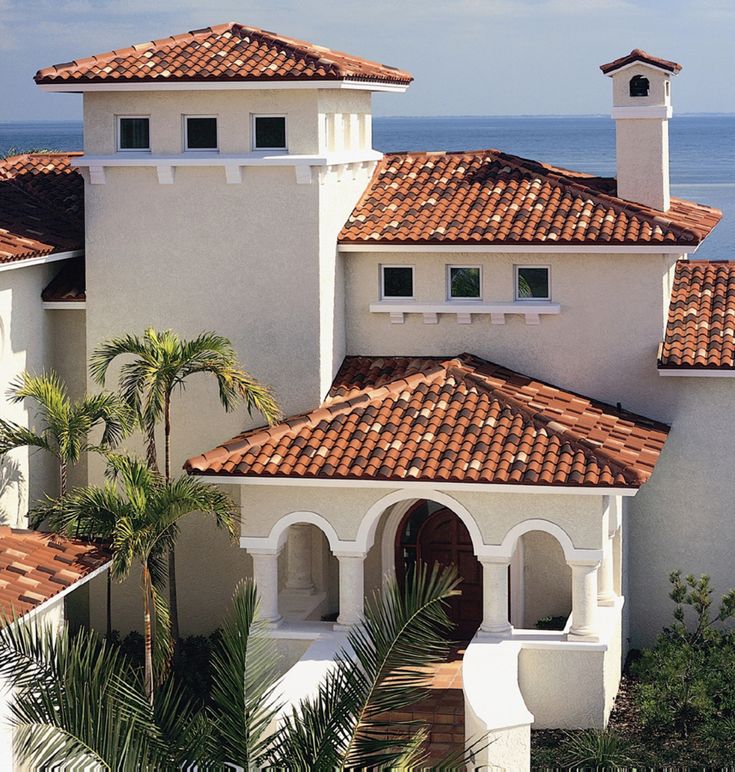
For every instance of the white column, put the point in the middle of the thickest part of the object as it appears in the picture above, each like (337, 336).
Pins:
(265, 575)
(351, 588)
(495, 596)
(298, 571)
(606, 579)
(584, 599)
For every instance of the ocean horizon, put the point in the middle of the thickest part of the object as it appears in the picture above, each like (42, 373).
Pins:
(702, 149)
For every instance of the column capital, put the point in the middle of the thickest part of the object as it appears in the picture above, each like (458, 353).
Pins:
(350, 554)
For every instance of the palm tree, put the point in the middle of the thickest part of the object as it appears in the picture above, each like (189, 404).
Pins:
(67, 424)
(162, 363)
(143, 512)
(77, 701)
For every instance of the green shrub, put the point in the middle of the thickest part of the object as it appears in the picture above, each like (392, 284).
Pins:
(686, 679)
(596, 749)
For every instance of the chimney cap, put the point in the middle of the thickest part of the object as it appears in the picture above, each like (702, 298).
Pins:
(638, 55)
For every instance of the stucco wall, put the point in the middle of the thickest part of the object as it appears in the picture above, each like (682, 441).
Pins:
(611, 320)
(25, 344)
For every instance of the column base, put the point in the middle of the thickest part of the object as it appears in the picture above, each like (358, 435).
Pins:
(606, 600)
(499, 631)
(273, 624)
(583, 637)
(342, 626)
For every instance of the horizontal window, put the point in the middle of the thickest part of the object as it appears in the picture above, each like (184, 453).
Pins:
(201, 133)
(133, 133)
(397, 281)
(533, 282)
(464, 282)
(269, 132)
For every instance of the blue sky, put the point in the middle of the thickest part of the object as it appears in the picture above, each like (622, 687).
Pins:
(469, 57)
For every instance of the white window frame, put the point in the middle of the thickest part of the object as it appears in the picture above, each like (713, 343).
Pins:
(118, 135)
(253, 119)
(389, 298)
(516, 296)
(187, 149)
(450, 297)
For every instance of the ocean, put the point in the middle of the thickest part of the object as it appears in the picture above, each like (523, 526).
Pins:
(702, 150)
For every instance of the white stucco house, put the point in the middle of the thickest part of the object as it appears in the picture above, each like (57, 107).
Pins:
(470, 346)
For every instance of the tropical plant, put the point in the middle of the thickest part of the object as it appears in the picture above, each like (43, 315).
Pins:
(685, 680)
(143, 512)
(66, 423)
(597, 749)
(79, 701)
(162, 363)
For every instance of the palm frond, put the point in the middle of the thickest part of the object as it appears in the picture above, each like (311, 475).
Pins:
(14, 436)
(90, 511)
(47, 389)
(103, 355)
(109, 410)
(244, 666)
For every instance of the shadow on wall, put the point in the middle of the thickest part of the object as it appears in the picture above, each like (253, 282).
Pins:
(11, 476)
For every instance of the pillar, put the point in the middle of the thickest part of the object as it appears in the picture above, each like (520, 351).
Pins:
(584, 600)
(606, 579)
(495, 597)
(298, 566)
(351, 588)
(265, 575)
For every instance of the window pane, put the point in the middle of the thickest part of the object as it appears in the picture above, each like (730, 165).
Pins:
(465, 282)
(134, 134)
(201, 133)
(398, 282)
(533, 283)
(270, 132)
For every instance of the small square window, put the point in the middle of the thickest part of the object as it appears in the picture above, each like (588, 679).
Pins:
(397, 281)
(532, 283)
(201, 133)
(464, 282)
(133, 133)
(269, 132)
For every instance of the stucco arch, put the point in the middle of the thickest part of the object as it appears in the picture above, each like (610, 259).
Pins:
(510, 540)
(369, 523)
(276, 539)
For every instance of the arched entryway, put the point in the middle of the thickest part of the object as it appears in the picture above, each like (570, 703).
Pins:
(431, 533)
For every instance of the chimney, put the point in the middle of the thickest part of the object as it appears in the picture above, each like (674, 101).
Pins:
(641, 110)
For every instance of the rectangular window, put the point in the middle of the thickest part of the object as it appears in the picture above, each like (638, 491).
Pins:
(269, 132)
(133, 133)
(397, 281)
(463, 282)
(533, 282)
(200, 132)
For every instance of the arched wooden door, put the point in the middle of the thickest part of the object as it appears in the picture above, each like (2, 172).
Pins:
(441, 537)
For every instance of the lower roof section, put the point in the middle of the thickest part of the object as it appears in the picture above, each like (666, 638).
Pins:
(460, 420)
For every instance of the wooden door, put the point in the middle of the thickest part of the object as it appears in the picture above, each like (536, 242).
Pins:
(444, 539)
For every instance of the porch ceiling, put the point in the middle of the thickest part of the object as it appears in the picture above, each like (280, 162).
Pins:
(461, 420)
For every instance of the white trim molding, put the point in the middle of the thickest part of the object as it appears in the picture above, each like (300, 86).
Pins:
(60, 305)
(694, 372)
(232, 163)
(464, 311)
(527, 249)
(237, 85)
(31, 261)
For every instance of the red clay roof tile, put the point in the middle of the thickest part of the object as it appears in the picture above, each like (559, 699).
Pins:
(35, 566)
(459, 420)
(41, 206)
(638, 55)
(490, 197)
(231, 52)
(700, 332)
(68, 285)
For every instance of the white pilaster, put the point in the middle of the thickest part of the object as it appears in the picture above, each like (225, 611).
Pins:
(605, 578)
(298, 576)
(584, 600)
(265, 575)
(495, 596)
(351, 588)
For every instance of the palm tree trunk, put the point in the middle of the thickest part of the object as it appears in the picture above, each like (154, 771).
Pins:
(109, 605)
(63, 481)
(173, 600)
(147, 634)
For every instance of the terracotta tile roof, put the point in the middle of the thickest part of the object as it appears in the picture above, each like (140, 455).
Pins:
(489, 197)
(700, 332)
(224, 52)
(68, 286)
(41, 206)
(638, 55)
(35, 566)
(453, 420)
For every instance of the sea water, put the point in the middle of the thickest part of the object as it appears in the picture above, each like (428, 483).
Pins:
(702, 150)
